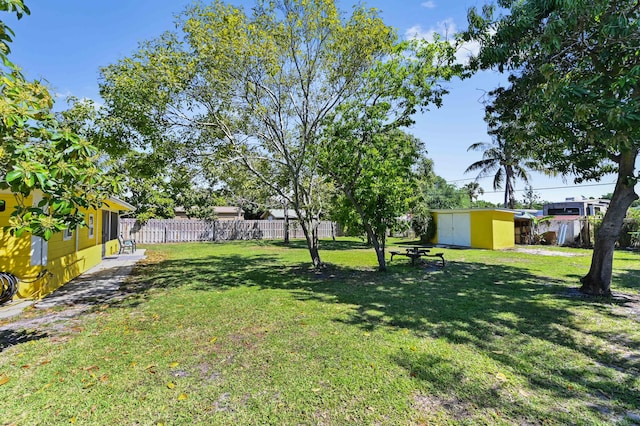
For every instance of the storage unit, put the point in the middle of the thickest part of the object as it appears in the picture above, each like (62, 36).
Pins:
(477, 228)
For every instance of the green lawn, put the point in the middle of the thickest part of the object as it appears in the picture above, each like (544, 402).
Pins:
(245, 333)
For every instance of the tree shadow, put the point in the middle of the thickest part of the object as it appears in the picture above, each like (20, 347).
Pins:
(473, 304)
(324, 244)
(10, 337)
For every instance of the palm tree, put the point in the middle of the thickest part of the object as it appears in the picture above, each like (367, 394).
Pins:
(474, 190)
(500, 160)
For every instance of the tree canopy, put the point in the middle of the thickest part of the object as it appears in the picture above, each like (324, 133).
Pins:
(261, 88)
(501, 160)
(573, 103)
(40, 154)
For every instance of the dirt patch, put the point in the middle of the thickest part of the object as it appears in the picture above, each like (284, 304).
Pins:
(544, 252)
(450, 407)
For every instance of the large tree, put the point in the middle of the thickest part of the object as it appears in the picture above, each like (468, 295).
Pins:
(363, 150)
(474, 190)
(257, 85)
(42, 154)
(374, 173)
(574, 99)
(500, 161)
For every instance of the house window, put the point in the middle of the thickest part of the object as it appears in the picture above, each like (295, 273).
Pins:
(91, 227)
(569, 211)
(67, 234)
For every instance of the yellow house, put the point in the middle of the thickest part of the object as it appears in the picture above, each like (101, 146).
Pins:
(43, 266)
(491, 229)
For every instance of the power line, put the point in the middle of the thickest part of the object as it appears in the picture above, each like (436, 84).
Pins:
(554, 187)
(453, 181)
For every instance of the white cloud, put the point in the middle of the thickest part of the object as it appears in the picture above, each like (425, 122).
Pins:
(428, 4)
(467, 50)
(446, 29)
(65, 95)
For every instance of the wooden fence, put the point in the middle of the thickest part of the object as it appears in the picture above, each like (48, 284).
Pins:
(189, 230)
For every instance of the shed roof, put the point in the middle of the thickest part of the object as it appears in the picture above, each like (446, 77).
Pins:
(474, 210)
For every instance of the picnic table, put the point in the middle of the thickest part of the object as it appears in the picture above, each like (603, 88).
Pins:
(416, 252)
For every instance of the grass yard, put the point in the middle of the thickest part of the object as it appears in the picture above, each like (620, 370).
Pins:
(245, 333)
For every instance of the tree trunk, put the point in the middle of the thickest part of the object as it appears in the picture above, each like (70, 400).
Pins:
(598, 280)
(372, 238)
(310, 230)
(378, 247)
(286, 222)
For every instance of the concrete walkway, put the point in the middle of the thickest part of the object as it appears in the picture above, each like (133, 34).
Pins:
(97, 285)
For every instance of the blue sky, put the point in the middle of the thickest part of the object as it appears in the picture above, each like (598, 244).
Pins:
(65, 42)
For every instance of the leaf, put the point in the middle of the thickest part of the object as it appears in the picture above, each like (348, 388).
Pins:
(13, 175)
(182, 397)
(213, 339)
(174, 364)
(171, 385)
(4, 380)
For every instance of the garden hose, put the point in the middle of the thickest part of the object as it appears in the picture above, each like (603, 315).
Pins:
(9, 284)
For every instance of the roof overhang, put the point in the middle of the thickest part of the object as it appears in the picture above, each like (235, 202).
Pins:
(473, 210)
(115, 203)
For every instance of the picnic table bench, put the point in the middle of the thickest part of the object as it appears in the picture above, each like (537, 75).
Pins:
(416, 252)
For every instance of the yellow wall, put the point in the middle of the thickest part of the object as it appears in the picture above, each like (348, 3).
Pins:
(15, 253)
(482, 229)
(503, 230)
(492, 229)
(64, 262)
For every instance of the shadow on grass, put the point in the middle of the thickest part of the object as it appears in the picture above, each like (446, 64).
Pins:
(10, 338)
(325, 245)
(478, 305)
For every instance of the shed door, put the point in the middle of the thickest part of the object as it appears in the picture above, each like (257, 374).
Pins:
(462, 229)
(445, 228)
(454, 229)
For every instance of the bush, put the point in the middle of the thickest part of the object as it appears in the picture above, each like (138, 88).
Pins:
(424, 225)
(630, 226)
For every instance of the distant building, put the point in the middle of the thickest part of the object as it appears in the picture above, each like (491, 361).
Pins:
(222, 213)
(573, 207)
(278, 214)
